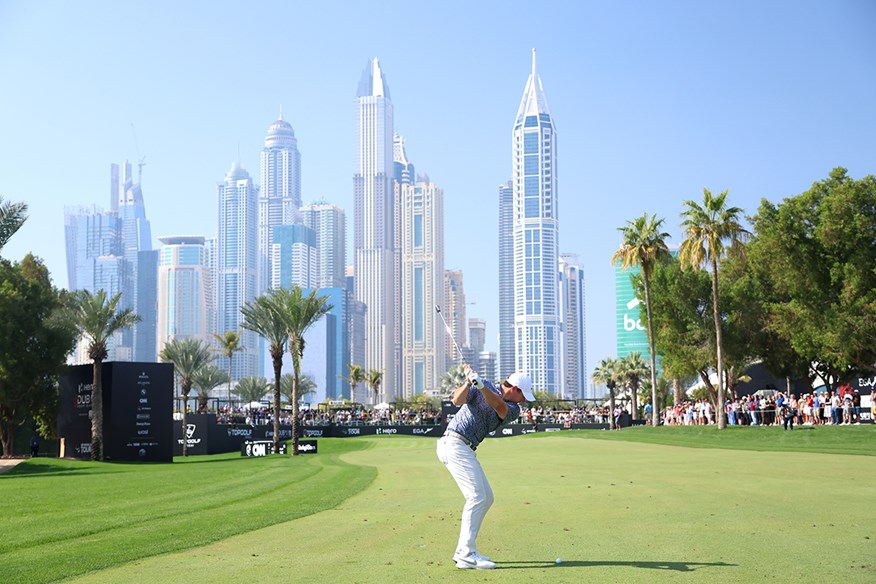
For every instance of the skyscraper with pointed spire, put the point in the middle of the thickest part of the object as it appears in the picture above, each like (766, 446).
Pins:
(280, 194)
(373, 224)
(537, 314)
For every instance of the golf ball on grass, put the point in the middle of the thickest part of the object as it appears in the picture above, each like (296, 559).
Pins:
(559, 561)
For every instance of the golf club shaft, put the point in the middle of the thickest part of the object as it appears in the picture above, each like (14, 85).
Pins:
(450, 333)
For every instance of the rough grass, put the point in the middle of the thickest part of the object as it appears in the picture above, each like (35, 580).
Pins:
(614, 510)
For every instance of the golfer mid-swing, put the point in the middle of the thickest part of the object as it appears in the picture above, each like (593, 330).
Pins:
(484, 409)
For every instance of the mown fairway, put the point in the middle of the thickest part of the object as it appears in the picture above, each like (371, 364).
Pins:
(614, 510)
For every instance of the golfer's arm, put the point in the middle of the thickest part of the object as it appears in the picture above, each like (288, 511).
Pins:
(460, 394)
(496, 402)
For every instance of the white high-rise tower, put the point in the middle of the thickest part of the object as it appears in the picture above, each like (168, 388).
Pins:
(373, 229)
(280, 195)
(236, 265)
(537, 320)
(422, 277)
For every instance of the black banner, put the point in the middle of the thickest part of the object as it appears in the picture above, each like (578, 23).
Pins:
(137, 411)
(140, 412)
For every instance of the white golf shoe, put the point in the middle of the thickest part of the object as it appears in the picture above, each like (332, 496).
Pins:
(473, 561)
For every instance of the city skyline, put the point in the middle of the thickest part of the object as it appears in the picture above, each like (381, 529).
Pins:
(654, 104)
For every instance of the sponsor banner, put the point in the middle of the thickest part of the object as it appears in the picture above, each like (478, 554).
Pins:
(307, 447)
(137, 411)
(140, 412)
(196, 433)
(260, 447)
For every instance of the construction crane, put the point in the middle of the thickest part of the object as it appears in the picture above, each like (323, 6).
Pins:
(141, 161)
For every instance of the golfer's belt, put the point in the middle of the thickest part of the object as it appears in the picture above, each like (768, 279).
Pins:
(461, 438)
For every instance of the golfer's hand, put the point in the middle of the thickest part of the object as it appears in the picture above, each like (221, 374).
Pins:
(473, 378)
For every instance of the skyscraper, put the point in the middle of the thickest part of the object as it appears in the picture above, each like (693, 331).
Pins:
(574, 327)
(537, 319)
(329, 223)
(422, 279)
(373, 225)
(293, 256)
(237, 265)
(507, 364)
(90, 234)
(184, 291)
(138, 290)
(280, 195)
(453, 310)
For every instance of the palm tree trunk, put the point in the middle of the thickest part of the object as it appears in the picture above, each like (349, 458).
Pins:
(296, 365)
(228, 397)
(97, 410)
(611, 425)
(655, 409)
(278, 372)
(719, 407)
(634, 400)
(185, 438)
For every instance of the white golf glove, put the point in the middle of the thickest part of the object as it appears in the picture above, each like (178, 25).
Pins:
(474, 379)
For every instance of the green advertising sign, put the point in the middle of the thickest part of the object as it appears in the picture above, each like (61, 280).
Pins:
(632, 334)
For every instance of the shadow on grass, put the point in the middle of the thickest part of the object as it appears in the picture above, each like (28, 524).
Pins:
(671, 566)
(33, 470)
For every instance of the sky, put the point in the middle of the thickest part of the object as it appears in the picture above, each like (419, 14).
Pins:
(652, 101)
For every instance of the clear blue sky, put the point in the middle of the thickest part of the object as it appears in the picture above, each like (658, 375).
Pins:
(652, 100)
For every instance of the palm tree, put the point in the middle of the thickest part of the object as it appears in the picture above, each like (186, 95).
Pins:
(298, 312)
(188, 356)
(452, 378)
(205, 380)
(252, 389)
(375, 378)
(357, 376)
(645, 245)
(262, 316)
(606, 372)
(229, 344)
(306, 386)
(706, 229)
(630, 371)
(12, 217)
(97, 319)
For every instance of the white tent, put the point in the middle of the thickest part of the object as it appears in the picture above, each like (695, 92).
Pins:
(382, 406)
(253, 405)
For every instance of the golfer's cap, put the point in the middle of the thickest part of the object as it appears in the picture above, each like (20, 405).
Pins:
(523, 383)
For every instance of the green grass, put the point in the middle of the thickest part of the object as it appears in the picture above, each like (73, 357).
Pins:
(614, 510)
(824, 439)
(63, 517)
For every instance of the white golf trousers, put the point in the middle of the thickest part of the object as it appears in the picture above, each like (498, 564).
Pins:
(463, 464)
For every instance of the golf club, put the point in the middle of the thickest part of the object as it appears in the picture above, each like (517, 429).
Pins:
(450, 333)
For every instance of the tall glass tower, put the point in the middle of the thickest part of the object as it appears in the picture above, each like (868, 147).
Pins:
(574, 327)
(537, 320)
(330, 225)
(507, 364)
(373, 224)
(236, 265)
(280, 196)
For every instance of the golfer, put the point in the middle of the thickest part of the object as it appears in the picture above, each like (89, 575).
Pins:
(484, 409)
